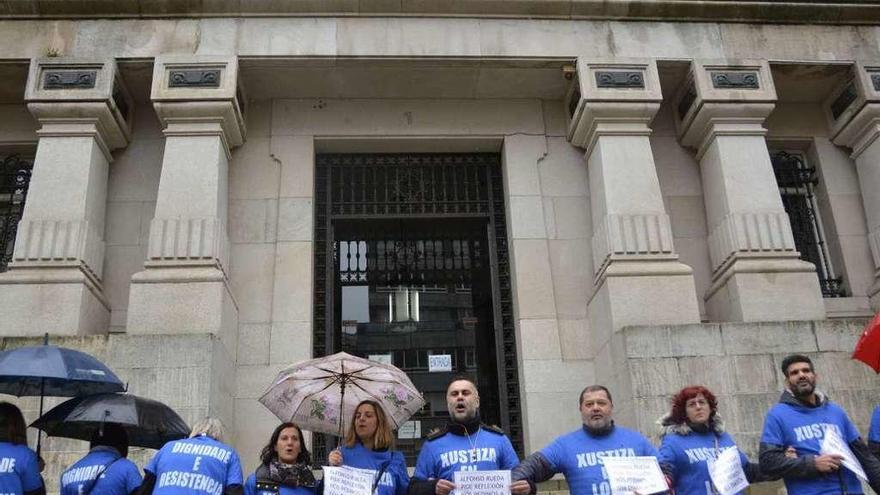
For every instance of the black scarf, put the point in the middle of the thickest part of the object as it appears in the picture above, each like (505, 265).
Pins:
(468, 427)
(292, 475)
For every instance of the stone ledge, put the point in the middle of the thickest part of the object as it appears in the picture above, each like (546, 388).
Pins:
(769, 11)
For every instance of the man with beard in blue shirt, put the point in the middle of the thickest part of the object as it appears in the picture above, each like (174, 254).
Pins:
(578, 455)
(801, 419)
(465, 444)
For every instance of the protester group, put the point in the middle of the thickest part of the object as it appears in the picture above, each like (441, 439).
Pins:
(808, 441)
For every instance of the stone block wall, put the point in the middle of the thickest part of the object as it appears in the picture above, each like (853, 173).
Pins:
(739, 363)
(190, 373)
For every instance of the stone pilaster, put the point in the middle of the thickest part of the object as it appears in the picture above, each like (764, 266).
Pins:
(184, 286)
(756, 270)
(853, 112)
(634, 260)
(54, 280)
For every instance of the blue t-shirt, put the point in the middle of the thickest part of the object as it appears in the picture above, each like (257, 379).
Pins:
(578, 455)
(803, 428)
(117, 475)
(19, 469)
(394, 480)
(250, 488)
(874, 430)
(195, 466)
(685, 458)
(485, 450)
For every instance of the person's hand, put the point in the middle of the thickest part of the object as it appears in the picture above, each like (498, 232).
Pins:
(444, 487)
(335, 458)
(827, 463)
(790, 453)
(520, 487)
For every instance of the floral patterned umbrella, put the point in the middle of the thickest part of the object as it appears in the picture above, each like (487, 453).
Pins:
(321, 394)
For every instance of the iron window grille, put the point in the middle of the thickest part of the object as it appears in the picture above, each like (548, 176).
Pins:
(797, 182)
(15, 176)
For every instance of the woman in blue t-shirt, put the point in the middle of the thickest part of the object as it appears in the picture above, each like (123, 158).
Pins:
(368, 445)
(285, 466)
(19, 466)
(693, 434)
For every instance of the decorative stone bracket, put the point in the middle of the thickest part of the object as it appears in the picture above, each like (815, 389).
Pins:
(191, 91)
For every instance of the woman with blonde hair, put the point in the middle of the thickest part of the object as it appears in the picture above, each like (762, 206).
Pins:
(19, 466)
(196, 465)
(368, 445)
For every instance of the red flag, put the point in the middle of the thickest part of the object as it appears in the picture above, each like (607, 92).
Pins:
(868, 346)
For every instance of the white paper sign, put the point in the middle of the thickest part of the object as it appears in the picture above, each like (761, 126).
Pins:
(727, 473)
(439, 362)
(833, 444)
(482, 482)
(627, 475)
(344, 480)
(410, 429)
(380, 358)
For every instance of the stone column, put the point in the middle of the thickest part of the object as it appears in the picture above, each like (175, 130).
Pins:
(54, 280)
(184, 286)
(853, 112)
(757, 273)
(637, 276)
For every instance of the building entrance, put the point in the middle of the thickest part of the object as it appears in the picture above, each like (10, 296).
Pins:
(412, 270)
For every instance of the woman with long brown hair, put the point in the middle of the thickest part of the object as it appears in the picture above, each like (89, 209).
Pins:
(19, 466)
(368, 445)
(285, 465)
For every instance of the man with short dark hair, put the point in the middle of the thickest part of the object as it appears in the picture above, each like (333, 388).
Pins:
(105, 470)
(465, 444)
(801, 419)
(578, 455)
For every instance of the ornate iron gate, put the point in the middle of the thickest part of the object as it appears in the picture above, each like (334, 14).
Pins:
(15, 175)
(399, 227)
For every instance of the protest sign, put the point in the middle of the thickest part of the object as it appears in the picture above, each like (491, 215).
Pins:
(832, 443)
(344, 480)
(482, 482)
(627, 475)
(727, 473)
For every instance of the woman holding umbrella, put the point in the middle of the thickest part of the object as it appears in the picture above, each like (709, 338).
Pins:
(284, 465)
(105, 470)
(19, 466)
(368, 446)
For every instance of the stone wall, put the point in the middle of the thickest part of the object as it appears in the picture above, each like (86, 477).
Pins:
(739, 363)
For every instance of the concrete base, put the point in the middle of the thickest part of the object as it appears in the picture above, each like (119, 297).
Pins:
(183, 301)
(766, 290)
(58, 301)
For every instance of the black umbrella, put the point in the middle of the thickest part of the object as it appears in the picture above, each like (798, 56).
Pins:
(54, 371)
(149, 423)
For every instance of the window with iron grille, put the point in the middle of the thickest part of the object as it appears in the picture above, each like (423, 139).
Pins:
(797, 183)
(15, 175)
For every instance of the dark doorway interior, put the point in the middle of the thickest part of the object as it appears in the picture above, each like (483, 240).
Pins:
(411, 268)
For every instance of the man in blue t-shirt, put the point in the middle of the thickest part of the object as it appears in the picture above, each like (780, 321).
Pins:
(105, 470)
(465, 444)
(874, 433)
(578, 455)
(801, 419)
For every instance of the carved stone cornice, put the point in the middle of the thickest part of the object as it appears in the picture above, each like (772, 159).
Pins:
(723, 98)
(612, 99)
(79, 97)
(199, 95)
(853, 109)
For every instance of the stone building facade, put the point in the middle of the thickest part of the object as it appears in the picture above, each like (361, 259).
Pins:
(551, 194)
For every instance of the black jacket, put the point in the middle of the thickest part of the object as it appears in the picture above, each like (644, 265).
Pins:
(774, 462)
